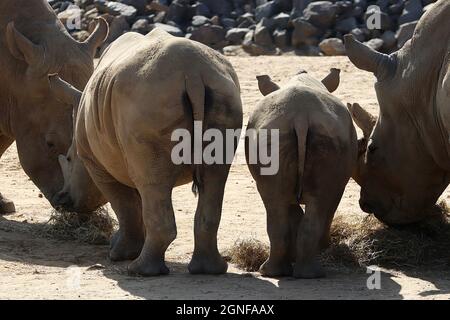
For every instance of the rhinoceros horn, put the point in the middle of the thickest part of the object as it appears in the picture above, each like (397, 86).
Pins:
(365, 58)
(97, 37)
(64, 91)
(362, 118)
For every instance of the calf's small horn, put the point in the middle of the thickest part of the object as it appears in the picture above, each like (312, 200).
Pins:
(332, 80)
(362, 118)
(64, 91)
(266, 85)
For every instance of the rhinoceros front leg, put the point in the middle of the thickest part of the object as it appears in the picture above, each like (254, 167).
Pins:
(6, 206)
(206, 258)
(160, 230)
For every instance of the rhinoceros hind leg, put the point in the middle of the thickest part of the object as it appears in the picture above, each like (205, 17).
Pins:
(206, 258)
(6, 206)
(313, 228)
(160, 230)
(127, 242)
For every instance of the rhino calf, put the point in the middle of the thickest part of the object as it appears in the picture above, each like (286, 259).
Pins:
(317, 153)
(123, 134)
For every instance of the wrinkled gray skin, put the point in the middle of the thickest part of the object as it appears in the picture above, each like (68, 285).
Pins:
(34, 44)
(127, 114)
(406, 165)
(318, 150)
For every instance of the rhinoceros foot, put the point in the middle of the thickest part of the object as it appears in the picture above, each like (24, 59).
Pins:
(272, 268)
(148, 267)
(125, 248)
(207, 264)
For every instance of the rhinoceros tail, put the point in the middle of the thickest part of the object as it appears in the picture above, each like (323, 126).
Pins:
(301, 131)
(195, 90)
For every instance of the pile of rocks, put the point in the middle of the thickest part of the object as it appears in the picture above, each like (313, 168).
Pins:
(258, 26)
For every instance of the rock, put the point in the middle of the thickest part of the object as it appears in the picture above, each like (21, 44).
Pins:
(71, 17)
(201, 9)
(358, 34)
(412, 11)
(178, 12)
(376, 44)
(389, 41)
(232, 50)
(405, 32)
(281, 20)
(332, 47)
(142, 26)
(321, 13)
(396, 8)
(198, 21)
(236, 35)
(140, 5)
(221, 8)
(263, 36)
(120, 9)
(228, 23)
(304, 33)
(266, 10)
(346, 25)
(173, 30)
(298, 6)
(281, 38)
(210, 35)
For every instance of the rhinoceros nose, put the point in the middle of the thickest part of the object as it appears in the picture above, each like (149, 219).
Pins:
(63, 200)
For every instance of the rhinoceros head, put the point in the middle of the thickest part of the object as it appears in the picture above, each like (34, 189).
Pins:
(42, 124)
(398, 173)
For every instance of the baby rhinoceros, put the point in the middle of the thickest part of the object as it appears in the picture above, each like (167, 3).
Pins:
(317, 148)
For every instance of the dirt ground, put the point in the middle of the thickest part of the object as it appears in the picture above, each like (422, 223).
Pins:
(34, 267)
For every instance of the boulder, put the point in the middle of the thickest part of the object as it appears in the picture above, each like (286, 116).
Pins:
(321, 13)
(332, 47)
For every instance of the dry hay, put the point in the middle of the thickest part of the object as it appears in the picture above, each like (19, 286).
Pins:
(360, 241)
(248, 254)
(92, 228)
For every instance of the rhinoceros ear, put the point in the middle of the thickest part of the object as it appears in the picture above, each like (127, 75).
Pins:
(64, 92)
(266, 85)
(97, 37)
(22, 48)
(332, 80)
(365, 58)
(363, 119)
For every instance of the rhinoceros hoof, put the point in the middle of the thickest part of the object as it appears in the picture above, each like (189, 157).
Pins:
(276, 269)
(7, 206)
(147, 268)
(123, 248)
(310, 270)
(213, 264)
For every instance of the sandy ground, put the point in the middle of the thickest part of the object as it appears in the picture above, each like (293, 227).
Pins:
(33, 267)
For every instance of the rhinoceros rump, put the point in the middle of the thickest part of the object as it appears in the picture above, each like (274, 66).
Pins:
(405, 165)
(34, 44)
(317, 153)
(126, 117)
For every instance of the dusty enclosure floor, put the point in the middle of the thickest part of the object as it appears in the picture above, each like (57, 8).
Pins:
(32, 266)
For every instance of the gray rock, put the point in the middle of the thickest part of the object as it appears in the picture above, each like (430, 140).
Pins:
(266, 10)
(281, 20)
(376, 44)
(332, 47)
(198, 21)
(120, 9)
(141, 26)
(173, 30)
(389, 41)
(304, 33)
(138, 4)
(236, 35)
(263, 36)
(346, 25)
(413, 11)
(358, 34)
(210, 35)
(281, 38)
(321, 13)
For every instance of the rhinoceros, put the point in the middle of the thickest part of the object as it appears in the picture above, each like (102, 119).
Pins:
(404, 163)
(317, 154)
(34, 44)
(126, 117)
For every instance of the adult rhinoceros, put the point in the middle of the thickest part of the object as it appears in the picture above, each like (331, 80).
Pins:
(34, 44)
(405, 166)
(128, 112)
